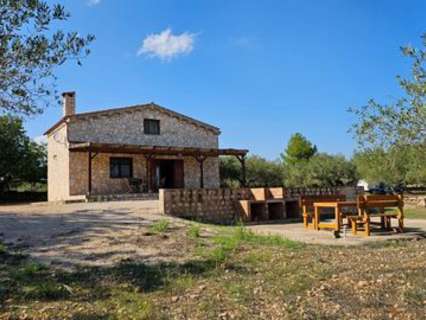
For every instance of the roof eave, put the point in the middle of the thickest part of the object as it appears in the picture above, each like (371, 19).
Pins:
(56, 125)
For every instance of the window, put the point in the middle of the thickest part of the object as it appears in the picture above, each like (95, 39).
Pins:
(121, 167)
(151, 126)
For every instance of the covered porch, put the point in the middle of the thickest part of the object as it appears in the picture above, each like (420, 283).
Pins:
(163, 167)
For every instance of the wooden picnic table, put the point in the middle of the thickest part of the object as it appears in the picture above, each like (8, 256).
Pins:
(338, 218)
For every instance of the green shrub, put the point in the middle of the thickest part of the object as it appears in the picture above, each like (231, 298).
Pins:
(194, 231)
(160, 226)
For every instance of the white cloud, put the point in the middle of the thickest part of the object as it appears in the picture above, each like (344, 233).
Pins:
(93, 2)
(40, 139)
(166, 45)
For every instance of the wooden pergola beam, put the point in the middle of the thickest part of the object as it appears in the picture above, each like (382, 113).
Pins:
(200, 154)
(160, 150)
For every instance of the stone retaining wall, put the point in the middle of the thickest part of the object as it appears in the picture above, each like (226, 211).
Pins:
(415, 200)
(221, 205)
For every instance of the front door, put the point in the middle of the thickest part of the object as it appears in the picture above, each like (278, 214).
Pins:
(167, 174)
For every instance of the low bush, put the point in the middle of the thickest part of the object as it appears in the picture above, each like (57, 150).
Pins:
(160, 226)
(194, 231)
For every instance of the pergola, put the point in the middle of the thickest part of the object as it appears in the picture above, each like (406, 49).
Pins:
(149, 152)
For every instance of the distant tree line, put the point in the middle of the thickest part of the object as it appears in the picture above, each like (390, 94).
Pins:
(22, 159)
(301, 165)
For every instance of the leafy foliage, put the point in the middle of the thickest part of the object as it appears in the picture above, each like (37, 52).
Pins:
(230, 172)
(321, 170)
(331, 170)
(259, 172)
(299, 148)
(402, 122)
(304, 167)
(29, 52)
(392, 136)
(263, 173)
(394, 166)
(20, 159)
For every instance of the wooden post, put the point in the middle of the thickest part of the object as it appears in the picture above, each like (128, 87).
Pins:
(200, 159)
(316, 218)
(148, 158)
(90, 155)
(242, 160)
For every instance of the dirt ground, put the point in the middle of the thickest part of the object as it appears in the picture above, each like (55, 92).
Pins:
(99, 234)
(118, 267)
(90, 234)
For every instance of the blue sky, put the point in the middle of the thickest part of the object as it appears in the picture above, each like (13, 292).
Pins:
(259, 70)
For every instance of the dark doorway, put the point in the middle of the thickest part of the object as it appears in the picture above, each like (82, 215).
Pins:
(167, 174)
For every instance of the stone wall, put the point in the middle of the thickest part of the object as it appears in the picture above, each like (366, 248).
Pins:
(192, 173)
(207, 205)
(58, 165)
(414, 200)
(222, 205)
(127, 128)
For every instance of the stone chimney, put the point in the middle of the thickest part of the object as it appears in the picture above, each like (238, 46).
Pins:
(68, 103)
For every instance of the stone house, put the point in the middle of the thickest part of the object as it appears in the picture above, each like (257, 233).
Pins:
(110, 151)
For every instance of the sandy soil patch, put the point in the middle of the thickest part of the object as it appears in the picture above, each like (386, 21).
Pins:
(90, 234)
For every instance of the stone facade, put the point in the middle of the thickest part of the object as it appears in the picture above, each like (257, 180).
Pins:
(103, 184)
(126, 127)
(415, 200)
(58, 169)
(68, 171)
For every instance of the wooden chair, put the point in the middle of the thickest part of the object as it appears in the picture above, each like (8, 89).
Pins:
(378, 202)
(306, 204)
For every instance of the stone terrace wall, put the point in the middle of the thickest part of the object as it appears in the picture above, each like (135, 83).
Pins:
(209, 205)
(220, 205)
(415, 200)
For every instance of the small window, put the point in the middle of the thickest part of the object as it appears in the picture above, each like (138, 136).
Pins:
(121, 167)
(151, 126)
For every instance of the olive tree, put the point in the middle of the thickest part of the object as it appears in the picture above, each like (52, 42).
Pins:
(30, 50)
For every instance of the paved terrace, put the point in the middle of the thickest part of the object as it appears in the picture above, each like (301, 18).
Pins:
(414, 229)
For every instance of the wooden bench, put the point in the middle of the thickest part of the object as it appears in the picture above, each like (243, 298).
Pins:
(380, 202)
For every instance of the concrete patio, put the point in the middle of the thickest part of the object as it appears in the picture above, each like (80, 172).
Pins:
(414, 229)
